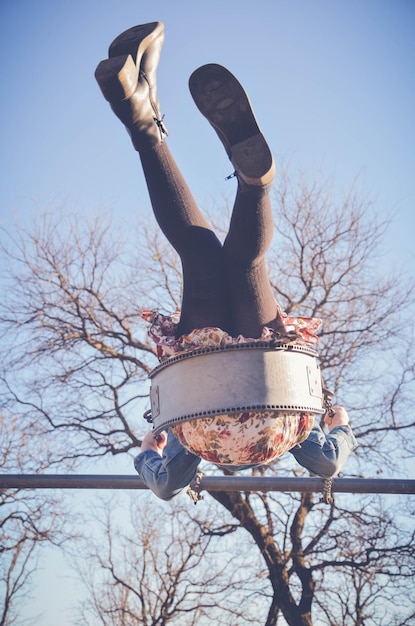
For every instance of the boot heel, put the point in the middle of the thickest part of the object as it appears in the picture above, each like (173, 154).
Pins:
(117, 78)
(253, 158)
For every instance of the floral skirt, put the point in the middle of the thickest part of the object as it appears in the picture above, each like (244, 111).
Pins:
(245, 438)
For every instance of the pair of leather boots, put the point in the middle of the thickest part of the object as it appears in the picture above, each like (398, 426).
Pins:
(128, 81)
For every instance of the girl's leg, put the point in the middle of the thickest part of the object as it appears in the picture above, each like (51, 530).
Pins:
(205, 300)
(223, 101)
(249, 237)
(128, 81)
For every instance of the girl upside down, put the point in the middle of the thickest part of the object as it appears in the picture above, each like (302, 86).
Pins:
(225, 286)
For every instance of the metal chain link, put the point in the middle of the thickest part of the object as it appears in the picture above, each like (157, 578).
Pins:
(327, 489)
(327, 400)
(193, 490)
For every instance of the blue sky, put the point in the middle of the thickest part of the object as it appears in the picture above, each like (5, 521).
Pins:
(332, 83)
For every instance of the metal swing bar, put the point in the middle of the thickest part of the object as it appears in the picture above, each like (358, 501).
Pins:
(210, 483)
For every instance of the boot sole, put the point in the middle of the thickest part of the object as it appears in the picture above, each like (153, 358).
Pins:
(222, 100)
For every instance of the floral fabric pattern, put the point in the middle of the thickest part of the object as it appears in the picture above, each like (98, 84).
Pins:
(300, 330)
(240, 438)
(245, 438)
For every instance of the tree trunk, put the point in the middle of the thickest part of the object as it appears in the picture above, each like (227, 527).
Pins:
(283, 600)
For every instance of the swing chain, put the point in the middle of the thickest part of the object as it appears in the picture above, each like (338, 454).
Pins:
(193, 490)
(327, 491)
(328, 401)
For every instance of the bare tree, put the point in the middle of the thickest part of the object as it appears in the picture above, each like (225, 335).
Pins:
(28, 521)
(158, 568)
(71, 326)
(314, 556)
(79, 336)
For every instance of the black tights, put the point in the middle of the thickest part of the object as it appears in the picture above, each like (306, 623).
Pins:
(227, 285)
